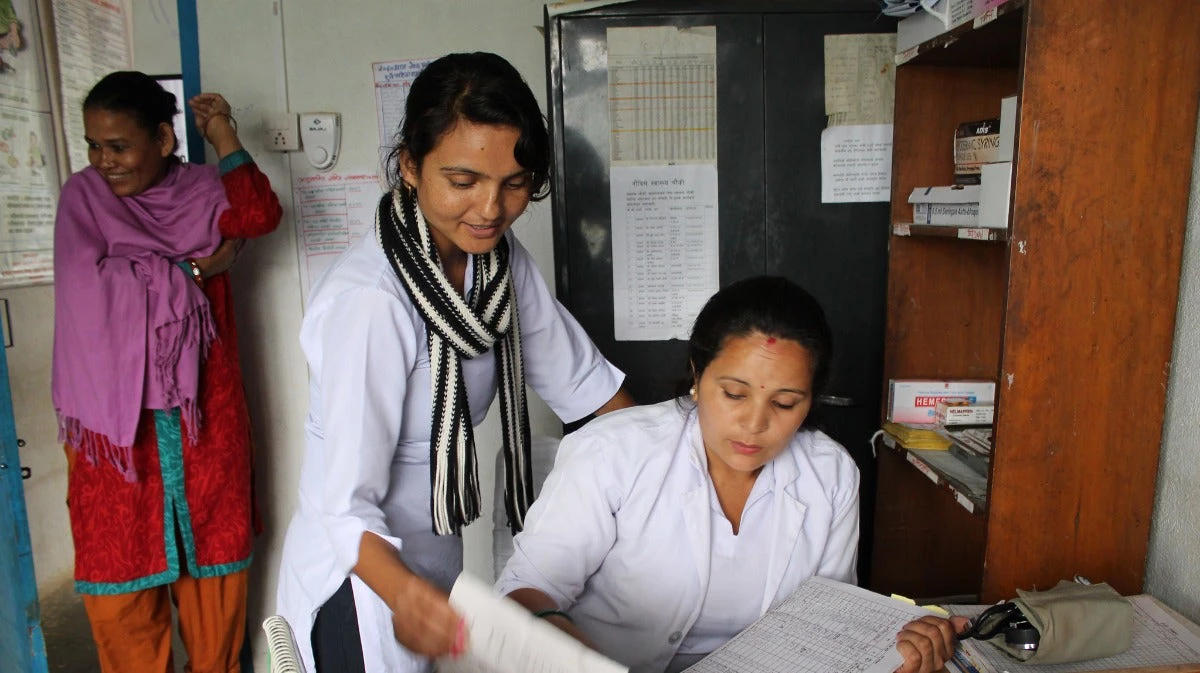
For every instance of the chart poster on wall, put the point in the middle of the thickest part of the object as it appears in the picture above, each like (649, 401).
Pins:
(93, 40)
(665, 248)
(393, 79)
(332, 212)
(662, 94)
(662, 103)
(856, 163)
(28, 194)
(856, 148)
(22, 68)
(860, 79)
(28, 164)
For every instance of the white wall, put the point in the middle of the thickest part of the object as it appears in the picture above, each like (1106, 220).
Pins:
(154, 36)
(265, 281)
(1173, 566)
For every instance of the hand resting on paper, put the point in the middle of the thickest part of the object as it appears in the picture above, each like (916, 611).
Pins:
(928, 643)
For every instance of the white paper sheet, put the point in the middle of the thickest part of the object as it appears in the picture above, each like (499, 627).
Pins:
(1158, 640)
(504, 637)
(856, 163)
(332, 211)
(665, 248)
(393, 79)
(860, 78)
(662, 94)
(93, 41)
(824, 627)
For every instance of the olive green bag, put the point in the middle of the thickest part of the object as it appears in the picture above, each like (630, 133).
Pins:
(1075, 621)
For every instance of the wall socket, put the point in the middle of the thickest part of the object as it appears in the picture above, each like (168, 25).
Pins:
(282, 131)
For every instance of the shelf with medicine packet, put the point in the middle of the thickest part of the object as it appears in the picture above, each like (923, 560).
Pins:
(982, 40)
(943, 468)
(1069, 310)
(949, 231)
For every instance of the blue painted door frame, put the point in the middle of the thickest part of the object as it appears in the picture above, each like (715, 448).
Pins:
(20, 620)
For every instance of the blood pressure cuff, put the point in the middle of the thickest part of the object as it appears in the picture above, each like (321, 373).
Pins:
(1075, 621)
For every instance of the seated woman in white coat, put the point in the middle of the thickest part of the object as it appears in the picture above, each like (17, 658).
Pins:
(665, 530)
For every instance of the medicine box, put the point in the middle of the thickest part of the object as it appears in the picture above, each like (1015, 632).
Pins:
(956, 205)
(915, 400)
(994, 195)
(1008, 128)
(975, 143)
(938, 16)
(960, 411)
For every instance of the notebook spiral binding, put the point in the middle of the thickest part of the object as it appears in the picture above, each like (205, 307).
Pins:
(282, 656)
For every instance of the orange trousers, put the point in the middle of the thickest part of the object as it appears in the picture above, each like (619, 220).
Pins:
(133, 630)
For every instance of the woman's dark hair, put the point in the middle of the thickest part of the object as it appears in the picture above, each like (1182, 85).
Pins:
(138, 95)
(769, 305)
(482, 88)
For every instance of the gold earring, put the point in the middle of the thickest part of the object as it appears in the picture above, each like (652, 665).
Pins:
(692, 392)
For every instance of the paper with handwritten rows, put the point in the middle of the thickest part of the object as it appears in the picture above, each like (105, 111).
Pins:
(824, 627)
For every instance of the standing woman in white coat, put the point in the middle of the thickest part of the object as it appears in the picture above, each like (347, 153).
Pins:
(409, 336)
(665, 530)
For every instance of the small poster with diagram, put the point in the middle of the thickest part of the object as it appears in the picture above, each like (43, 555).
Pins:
(29, 178)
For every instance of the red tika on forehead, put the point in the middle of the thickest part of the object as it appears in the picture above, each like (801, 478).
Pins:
(770, 341)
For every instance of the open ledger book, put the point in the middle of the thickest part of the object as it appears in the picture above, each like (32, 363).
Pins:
(824, 627)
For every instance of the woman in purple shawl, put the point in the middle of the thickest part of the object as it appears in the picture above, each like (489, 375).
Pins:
(146, 378)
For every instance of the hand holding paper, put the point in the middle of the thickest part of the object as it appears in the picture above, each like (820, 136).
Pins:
(505, 638)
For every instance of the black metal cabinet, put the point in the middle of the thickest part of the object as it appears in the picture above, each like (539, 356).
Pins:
(770, 114)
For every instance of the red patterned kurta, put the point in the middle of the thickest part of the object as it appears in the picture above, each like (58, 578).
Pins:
(192, 504)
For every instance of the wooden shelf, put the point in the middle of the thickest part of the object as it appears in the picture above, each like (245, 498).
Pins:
(945, 471)
(1096, 100)
(947, 231)
(993, 36)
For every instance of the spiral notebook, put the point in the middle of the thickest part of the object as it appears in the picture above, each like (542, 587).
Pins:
(282, 656)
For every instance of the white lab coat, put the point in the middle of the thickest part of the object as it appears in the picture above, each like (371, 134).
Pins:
(621, 535)
(367, 436)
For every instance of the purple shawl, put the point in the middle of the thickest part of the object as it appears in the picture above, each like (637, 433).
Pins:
(130, 327)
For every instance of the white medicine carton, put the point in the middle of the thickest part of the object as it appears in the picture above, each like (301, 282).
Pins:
(915, 400)
(956, 205)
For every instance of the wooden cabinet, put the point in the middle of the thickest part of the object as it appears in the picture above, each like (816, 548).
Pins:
(1073, 314)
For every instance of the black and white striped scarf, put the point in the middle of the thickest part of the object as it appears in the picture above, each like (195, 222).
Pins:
(458, 328)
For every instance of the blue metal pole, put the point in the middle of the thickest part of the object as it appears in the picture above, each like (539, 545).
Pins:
(189, 65)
